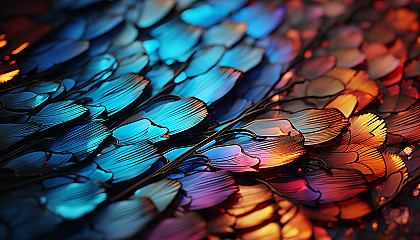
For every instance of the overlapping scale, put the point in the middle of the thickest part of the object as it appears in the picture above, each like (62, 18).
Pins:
(272, 151)
(38, 162)
(124, 219)
(130, 48)
(317, 126)
(348, 57)
(98, 24)
(176, 39)
(178, 115)
(22, 101)
(231, 5)
(323, 187)
(271, 128)
(346, 210)
(57, 113)
(396, 174)
(345, 37)
(265, 77)
(324, 86)
(280, 145)
(261, 18)
(127, 36)
(226, 33)
(73, 29)
(367, 129)
(17, 216)
(396, 103)
(159, 76)
(161, 193)
(187, 226)
(346, 103)
(75, 199)
(255, 212)
(194, 164)
(99, 67)
(345, 160)
(366, 159)
(129, 161)
(204, 59)
(232, 158)
(97, 113)
(53, 87)
(54, 53)
(149, 12)
(380, 34)
(138, 131)
(279, 49)
(117, 93)
(242, 57)
(131, 64)
(204, 15)
(316, 67)
(81, 140)
(93, 172)
(296, 188)
(405, 123)
(382, 65)
(356, 83)
(208, 189)
(217, 81)
(11, 133)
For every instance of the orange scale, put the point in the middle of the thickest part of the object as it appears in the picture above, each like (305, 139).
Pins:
(393, 77)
